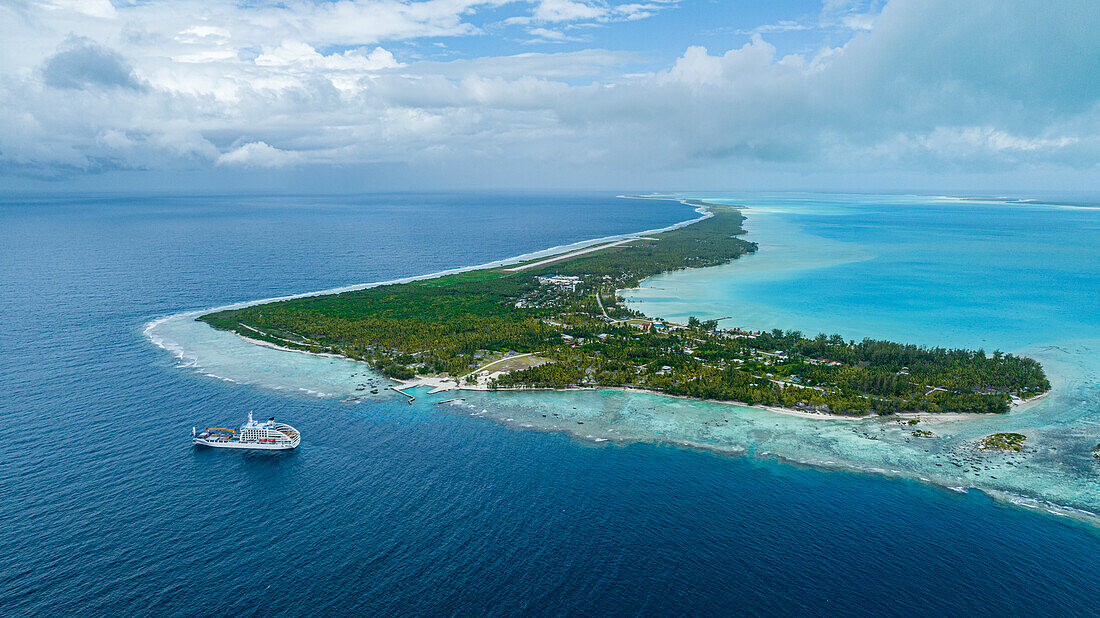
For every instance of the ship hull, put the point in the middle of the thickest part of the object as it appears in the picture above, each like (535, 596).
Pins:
(245, 445)
(252, 436)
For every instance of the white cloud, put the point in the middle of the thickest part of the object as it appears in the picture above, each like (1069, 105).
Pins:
(985, 140)
(206, 55)
(258, 154)
(94, 8)
(781, 26)
(568, 10)
(198, 33)
(550, 35)
(697, 68)
(302, 55)
(279, 86)
(834, 15)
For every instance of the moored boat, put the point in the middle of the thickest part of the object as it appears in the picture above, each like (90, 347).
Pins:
(265, 436)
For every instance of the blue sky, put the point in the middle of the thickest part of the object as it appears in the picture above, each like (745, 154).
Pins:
(658, 40)
(362, 95)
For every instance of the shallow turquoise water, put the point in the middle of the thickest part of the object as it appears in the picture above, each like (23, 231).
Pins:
(941, 272)
(934, 271)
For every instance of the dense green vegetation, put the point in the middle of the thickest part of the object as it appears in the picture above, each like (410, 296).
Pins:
(841, 377)
(709, 242)
(438, 325)
(1003, 442)
(448, 324)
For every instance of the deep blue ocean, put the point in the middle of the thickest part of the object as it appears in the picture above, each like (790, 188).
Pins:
(395, 509)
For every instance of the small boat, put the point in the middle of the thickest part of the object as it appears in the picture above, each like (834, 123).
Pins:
(263, 436)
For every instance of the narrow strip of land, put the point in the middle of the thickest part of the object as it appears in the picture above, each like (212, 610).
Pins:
(571, 254)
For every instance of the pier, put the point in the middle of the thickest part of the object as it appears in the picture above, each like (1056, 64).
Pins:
(398, 389)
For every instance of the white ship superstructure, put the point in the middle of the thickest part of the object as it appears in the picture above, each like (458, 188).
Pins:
(265, 436)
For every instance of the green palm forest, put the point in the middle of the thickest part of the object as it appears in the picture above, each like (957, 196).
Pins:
(451, 324)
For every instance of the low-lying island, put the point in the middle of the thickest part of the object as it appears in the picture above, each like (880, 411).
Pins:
(559, 324)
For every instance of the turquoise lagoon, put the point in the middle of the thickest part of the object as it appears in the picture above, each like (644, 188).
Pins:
(996, 274)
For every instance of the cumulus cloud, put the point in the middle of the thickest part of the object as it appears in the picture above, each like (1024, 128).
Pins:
(258, 154)
(297, 53)
(926, 85)
(81, 63)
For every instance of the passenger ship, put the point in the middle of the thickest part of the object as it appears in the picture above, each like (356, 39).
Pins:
(265, 436)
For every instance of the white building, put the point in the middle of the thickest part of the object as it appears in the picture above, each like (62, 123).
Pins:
(562, 281)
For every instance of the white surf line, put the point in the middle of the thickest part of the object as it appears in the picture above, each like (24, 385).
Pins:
(564, 256)
(702, 210)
